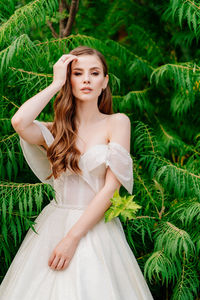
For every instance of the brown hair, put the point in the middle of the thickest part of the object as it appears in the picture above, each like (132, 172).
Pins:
(62, 153)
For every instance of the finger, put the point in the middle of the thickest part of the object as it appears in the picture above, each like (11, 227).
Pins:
(67, 261)
(55, 262)
(60, 264)
(51, 259)
(67, 57)
(67, 61)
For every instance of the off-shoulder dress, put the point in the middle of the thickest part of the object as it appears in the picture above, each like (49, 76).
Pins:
(103, 266)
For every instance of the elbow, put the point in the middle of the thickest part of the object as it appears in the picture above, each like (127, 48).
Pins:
(16, 122)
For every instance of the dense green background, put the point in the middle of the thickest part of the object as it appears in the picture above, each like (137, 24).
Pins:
(152, 49)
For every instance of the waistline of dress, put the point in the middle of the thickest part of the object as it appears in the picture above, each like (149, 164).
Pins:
(67, 206)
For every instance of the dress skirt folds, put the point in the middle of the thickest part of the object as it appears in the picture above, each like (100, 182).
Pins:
(103, 266)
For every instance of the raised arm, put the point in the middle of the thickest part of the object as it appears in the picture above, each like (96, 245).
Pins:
(22, 121)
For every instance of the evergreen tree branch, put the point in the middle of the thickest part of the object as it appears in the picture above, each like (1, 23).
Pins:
(24, 17)
(31, 73)
(11, 102)
(72, 14)
(54, 33)
(139, 178)
(18, 46)
(161, 267)
(62, 6)
(188, 282)
(134, 100)
(176, 242)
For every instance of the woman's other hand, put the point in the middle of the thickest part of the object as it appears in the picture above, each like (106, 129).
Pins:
(63, 253)
(60, 69)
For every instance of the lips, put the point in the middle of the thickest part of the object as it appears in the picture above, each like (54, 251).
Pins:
(86, 89)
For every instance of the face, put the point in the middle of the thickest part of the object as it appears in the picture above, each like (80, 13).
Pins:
(87, 78)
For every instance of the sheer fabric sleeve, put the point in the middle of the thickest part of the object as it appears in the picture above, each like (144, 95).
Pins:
(36, 157)
(121, 164)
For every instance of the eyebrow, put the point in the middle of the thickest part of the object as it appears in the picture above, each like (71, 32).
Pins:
(90, 68)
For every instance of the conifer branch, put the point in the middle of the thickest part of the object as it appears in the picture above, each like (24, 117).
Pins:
(11, 102)
(54, 33)
(24, 17)
(193, 4)
(31, 73)
(72, 14)
(133, 100)
(18, 46)
(146, 189)
(8, 137)
(62, 7)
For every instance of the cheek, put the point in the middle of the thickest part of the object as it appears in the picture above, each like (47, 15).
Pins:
(99, 86)
(74, 83)
(99, 83)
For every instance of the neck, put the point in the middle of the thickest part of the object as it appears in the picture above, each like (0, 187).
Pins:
(86, 113)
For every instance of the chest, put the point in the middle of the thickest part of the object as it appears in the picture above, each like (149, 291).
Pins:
(91, 136)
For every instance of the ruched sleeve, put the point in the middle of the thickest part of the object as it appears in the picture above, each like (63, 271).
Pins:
(121, 164)
(36, 156)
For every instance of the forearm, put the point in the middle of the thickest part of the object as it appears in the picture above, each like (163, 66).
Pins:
(93, 213)
(29, 110)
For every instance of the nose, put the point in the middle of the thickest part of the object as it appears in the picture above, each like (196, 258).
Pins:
(86, 78)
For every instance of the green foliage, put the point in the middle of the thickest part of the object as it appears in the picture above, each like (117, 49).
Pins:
(175, 241)
(173, 176)
(16, 49)
(123, 206)
(160, 267)
(20, 203)
(184, 77)
(24, 17)
(189, 213)
(185, 12)
(188, 282)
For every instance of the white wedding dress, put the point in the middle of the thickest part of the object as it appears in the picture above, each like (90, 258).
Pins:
(103, 266)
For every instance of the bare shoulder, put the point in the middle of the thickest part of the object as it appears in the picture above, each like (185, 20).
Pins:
(119, 128)
(119, 119)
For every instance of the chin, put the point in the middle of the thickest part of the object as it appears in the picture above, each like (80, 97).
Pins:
(85, 98)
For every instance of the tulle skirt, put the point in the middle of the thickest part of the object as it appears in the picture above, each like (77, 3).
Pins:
(103, 266)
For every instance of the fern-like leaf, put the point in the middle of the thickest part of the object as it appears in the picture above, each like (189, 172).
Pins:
(174, 241)
(22, 19)
(162, 268)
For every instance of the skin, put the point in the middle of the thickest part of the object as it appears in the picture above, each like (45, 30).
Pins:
(93, 128)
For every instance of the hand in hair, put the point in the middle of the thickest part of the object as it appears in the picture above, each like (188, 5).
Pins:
(60, 69)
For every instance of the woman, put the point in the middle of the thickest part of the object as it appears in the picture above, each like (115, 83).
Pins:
(84, 154)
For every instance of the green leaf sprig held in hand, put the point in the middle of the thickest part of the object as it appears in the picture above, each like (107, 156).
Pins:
(123, 206)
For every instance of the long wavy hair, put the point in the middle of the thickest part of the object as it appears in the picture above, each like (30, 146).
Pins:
(63, 153)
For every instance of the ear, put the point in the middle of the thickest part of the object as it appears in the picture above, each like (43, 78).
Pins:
(106, 79)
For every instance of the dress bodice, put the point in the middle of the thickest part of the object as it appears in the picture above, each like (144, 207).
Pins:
(78, 189)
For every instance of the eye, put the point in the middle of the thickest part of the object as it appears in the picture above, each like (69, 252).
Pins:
(77, 73)
(95, 73)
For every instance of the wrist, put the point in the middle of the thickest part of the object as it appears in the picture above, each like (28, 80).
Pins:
(56, 85)
(74, 236)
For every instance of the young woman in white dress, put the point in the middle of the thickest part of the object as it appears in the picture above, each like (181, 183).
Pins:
(84, 155)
